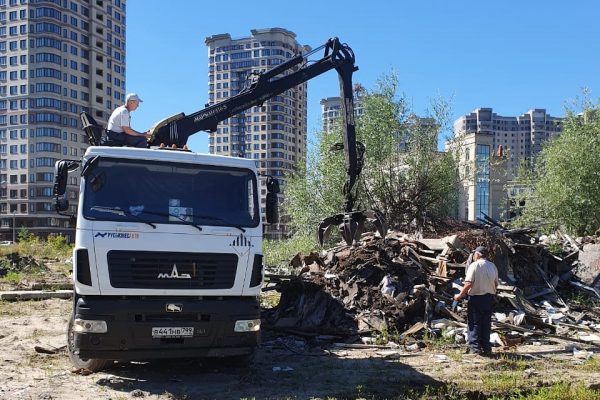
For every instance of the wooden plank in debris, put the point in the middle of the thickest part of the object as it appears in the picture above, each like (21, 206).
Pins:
(448, 264)
(433, 244)
(536, 333)
(442, 269)
(448, 313)
(508, 288)
(573, 243)
(413, 329)
(360, 346)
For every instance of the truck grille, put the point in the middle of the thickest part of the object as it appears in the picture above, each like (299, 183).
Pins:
(158, 270)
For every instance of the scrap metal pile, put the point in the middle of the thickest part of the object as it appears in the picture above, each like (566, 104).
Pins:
(404, 286)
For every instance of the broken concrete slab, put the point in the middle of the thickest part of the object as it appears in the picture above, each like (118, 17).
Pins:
(588, 270)
(35, 295)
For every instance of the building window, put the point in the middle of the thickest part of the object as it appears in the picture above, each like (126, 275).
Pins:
(482, 179)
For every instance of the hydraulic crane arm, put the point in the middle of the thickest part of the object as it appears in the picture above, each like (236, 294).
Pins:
(265, 86)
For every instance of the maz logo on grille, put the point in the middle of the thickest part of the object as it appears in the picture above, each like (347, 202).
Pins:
(242, 241)
(174, 274)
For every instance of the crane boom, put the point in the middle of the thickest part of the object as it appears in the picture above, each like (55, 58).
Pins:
(265, 86)
(174, 131)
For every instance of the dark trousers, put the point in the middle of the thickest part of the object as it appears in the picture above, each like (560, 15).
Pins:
(123, 139)
(479, 311)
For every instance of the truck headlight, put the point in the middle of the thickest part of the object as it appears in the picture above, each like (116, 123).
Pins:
(247, 325)
(89, 326)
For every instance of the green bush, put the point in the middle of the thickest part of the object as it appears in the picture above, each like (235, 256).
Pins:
(55, 247)
(24, 236)
(59, 244)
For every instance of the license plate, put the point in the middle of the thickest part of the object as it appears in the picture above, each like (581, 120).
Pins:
(172, 332)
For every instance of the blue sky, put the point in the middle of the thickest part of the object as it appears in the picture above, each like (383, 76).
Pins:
(509, 55)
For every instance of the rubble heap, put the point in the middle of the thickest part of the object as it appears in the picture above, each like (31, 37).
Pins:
(402, 285)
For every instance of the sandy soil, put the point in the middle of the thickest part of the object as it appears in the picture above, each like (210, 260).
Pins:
(284, 368)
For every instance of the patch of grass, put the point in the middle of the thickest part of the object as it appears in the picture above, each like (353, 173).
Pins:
(12, 277)
(582, 298)
(62, 268)
(559, 391)
(502, 381)
(42, 250)
(434, 342)
(491, 381)
(590, 365)
(6, 250)
(455, 355)
(506, 363)
(385, 336)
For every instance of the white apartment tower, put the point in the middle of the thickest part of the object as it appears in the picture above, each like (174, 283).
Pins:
(331, 108)
(491, 150)
(57, 59)
(274, 134)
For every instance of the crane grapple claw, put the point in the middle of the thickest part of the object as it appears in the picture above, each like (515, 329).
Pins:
(351, 225)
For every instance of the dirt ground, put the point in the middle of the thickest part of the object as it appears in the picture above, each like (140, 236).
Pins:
(284, 368)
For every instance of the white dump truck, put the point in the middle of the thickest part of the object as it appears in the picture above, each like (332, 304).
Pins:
(168, 255)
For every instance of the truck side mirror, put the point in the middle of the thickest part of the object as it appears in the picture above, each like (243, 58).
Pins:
(61, 174)
(272, 202)
(272, 212)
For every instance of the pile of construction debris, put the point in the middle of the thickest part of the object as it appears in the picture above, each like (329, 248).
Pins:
(403, 287)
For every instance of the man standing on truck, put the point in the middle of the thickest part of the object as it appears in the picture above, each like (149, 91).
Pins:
(481, 282)
(119, 128)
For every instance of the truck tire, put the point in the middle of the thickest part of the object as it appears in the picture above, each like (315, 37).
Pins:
(92, 364)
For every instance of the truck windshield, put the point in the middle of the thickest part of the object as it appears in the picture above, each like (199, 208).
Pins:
(176, 193)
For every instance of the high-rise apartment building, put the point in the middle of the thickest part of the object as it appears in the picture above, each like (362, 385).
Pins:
(491, 148)
(274, 134)
(331, 111)
(57, 59)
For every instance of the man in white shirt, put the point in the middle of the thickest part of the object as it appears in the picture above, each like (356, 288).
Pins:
(119, 129)
(481, 282)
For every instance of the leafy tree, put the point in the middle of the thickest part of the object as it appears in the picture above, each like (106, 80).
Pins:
(565, 182)
(404, 175)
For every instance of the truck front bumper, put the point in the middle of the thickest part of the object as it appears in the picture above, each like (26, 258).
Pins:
(130, 323)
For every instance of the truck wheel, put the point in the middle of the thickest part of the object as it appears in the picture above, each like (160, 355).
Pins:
(92, 364)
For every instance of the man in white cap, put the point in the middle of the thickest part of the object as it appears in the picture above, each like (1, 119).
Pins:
(481, 281)
(119, 129)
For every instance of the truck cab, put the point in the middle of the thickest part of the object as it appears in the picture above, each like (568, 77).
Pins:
(167, 258)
